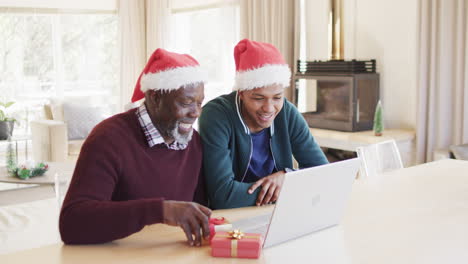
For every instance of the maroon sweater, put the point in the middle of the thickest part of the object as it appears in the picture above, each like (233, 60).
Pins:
(120, 183)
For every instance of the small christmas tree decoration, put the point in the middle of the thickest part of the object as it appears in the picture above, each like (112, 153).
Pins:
(378, 120)
(10, 158)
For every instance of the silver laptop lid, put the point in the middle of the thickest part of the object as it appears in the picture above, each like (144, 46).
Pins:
(310, 200)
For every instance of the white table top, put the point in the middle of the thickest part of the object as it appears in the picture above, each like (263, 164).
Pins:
(28, 225)
(64, 170)
(413, 215)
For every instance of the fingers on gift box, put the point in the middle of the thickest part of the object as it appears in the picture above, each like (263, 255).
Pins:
(219, 224)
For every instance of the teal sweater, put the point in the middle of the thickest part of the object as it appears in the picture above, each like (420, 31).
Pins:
(227, 149)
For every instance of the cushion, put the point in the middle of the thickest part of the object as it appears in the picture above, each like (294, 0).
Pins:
(48, 112)
(81, 119)
(460, 152)
(56, 109)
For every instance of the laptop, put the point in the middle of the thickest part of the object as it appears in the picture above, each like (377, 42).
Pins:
(311, 199)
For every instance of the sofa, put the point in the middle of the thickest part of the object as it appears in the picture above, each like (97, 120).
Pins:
(50, 137)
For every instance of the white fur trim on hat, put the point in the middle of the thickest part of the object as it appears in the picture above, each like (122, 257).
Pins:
(265, 75)
(171, 79)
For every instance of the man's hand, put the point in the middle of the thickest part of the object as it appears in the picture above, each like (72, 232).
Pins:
(191, 217)
(271, 186)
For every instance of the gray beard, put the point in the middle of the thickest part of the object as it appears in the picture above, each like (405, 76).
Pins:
(180, 138)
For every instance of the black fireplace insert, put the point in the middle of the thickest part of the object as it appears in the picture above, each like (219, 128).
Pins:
(338, 95)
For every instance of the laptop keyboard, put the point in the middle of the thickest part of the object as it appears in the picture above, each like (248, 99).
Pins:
(256, 224)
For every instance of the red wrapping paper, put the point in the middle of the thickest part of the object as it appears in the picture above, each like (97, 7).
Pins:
(249, 246)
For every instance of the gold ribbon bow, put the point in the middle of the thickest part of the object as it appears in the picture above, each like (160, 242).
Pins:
(236, 234)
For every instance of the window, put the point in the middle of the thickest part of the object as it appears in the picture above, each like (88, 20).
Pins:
(57, 55)
(209, 33)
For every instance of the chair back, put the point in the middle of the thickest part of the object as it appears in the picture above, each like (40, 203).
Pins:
(379, 158)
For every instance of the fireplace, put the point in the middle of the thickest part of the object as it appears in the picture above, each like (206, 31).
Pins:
(337, 94)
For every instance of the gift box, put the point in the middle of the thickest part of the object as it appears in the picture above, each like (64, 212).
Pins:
(235, 244)
(218, 225)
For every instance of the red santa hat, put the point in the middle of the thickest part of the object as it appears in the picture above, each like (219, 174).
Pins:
(167, 71)
(259, 64)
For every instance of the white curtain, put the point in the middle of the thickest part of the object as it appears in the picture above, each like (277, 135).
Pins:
(442, 114)
(271, 21)
(158, 15)
(144, 26)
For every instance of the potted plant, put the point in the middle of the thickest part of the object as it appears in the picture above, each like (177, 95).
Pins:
(6, 123)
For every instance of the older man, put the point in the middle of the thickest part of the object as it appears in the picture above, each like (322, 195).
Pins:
(143, 166)
(250, 135)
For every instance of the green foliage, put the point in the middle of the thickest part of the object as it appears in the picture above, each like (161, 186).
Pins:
(378, 120)
(23, 172)
(39, 170)
(3, 115)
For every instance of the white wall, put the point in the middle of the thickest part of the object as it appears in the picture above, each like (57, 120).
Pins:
(387, 31)
(383, 30)
(316, 17)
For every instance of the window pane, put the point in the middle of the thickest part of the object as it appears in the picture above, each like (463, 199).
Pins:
(90, 55)
(26, 54)
(38, 63)
(45, 56)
